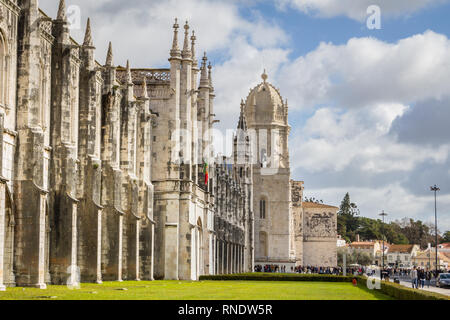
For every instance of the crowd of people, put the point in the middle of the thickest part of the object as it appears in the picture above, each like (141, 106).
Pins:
(310, 270)
(419, 277)
(317, 270)
(270, 268)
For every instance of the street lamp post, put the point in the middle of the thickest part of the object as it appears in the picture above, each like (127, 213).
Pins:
(435, 189)
(383, 214)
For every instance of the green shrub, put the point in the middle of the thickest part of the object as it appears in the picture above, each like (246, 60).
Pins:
(400, 292)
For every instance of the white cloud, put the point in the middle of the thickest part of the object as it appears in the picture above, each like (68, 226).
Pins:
(333, 140)
(356, 10)
(141, 30)
(362, 87)
(368, 71)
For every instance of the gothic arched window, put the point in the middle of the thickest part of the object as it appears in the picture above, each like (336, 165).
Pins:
(43, 97)
(262, 209)
(263, 244)
(3, 70)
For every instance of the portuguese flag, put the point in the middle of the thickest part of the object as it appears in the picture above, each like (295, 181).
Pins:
(205, 172)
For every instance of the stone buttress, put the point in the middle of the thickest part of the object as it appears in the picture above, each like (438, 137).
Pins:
(63, 203)
(90, 165)
(33, 147)
(113, 214)
(8, 140)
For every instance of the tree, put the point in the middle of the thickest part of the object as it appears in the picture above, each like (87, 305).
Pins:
(348, 219)
(417, 232)
(354, 257)
(363, 258)
(446, 237)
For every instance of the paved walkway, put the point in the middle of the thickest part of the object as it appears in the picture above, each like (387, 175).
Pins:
(444, 291)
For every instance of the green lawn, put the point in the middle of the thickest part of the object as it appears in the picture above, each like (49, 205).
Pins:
(204, 290)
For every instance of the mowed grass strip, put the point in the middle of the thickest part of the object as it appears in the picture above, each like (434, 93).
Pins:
(203, 290)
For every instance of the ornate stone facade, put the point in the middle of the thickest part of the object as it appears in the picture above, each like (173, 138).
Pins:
(288, 231)
(103, 167)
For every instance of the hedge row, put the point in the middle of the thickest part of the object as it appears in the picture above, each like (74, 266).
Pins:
(394, 290)
(400, 292)
(279, 277)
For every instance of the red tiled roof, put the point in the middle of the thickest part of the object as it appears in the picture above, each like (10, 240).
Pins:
(362, 244)
(313, 205)
(401, 248)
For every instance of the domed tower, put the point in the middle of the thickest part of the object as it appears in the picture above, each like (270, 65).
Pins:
(267, 113)
(267, 121)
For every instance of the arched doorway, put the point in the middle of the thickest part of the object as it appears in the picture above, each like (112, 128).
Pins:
(199, 248)
(8, 261)
(263, 244)
(3, 70)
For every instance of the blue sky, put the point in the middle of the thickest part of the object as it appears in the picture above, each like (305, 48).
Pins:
(368, 108)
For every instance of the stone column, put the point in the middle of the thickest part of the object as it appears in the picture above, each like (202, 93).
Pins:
(119, 272)
(152, 264)
(216, 258)
(242, 258)
(239, 259)
(99, 246)
(222, 257)
(227, 258)
(2, 234)
(238, 262)
(226, 263)
(235, 258)
(136, 257)
(230, 260)
(41, 247)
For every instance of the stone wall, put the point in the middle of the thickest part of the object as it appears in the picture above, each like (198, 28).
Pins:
(319, 235)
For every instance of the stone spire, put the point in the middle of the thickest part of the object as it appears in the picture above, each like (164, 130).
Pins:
(186, 50)
(129, 77)
(193, 39)
(62, 11)
(210, 76)
(144, 88)
(175, 52)
(88, 35)
(242, 125)
(204, 81)
(109, 56)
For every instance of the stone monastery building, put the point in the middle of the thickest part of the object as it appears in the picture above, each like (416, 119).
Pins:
(108, 174)
(288, 231)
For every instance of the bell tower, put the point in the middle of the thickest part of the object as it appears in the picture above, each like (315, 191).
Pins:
(267, 118)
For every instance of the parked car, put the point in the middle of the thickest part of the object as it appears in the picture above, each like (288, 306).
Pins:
(443, 280)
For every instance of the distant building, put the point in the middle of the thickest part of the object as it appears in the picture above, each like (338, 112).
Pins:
(373, 247)
(340, 242)
(370, 247)
(427, 259)
(402, 255)
(444, 247)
